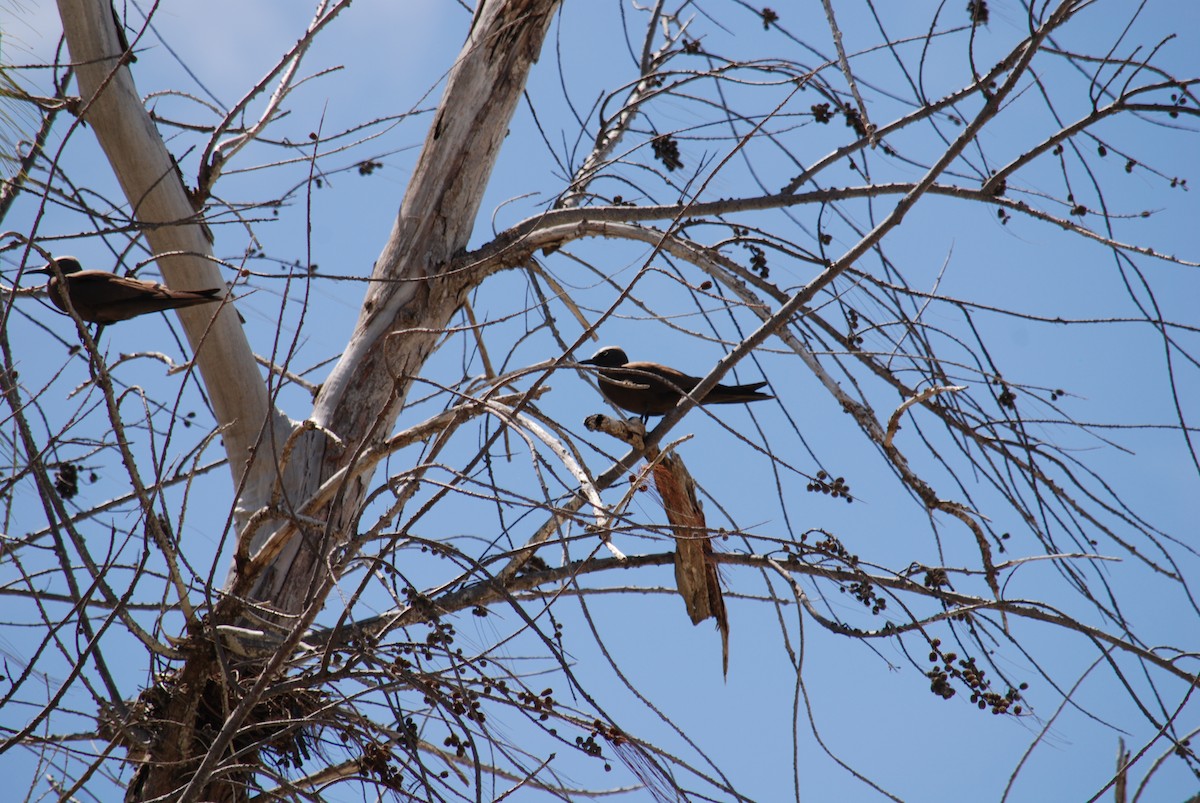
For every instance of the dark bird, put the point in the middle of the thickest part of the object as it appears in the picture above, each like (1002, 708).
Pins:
(100, 297)
(647, 388)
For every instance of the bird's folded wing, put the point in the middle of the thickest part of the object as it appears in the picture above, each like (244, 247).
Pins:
(626, 383)
(109, 289)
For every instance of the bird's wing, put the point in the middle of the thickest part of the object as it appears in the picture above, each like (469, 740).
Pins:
(629, 382)
(663, 377)
(107, 288)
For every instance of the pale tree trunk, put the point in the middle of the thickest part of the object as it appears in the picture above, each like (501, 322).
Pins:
(158, 200)
(404, 313)
(399, 325)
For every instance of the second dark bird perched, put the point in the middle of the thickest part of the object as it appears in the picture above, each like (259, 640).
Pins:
(648, 388)
(100, 297)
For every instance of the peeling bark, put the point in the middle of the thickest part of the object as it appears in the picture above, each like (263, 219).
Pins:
(696, 576)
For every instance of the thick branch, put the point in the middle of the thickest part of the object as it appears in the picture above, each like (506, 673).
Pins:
(151, 183)
(411, 298)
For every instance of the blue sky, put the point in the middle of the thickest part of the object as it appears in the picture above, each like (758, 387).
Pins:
(869, 706)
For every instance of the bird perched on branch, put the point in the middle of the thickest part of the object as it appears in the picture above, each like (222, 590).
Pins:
(647, 388)
(100, 297)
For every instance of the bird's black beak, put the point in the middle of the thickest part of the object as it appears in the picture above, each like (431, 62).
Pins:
(44, 270)
(588, 361)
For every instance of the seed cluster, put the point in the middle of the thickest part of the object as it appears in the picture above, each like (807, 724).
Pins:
(952, 668)
(837, 488)
(66, 480)
(666, 150)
